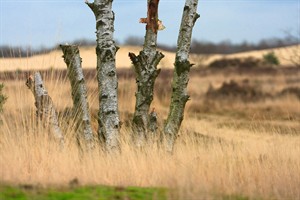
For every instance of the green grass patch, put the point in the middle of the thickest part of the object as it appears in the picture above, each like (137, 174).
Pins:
(85, 192)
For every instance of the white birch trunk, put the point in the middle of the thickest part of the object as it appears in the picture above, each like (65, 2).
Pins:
(181, 75)
(79, 94)
(108, 117)
(45, 108)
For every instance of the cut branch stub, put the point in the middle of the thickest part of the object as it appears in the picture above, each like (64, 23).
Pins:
(152, 21)
(45, 108)
(79, 93)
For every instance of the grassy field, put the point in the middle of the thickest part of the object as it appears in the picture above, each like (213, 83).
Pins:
(240, 139)
(27, 192)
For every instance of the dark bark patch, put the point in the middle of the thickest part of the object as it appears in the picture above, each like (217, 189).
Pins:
(133, 57)
(111, 73)
(182, 66)
(109, 112)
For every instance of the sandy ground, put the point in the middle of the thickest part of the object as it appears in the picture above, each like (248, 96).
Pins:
(54, 59)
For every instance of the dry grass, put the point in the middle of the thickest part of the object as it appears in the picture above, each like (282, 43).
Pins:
(234, 148)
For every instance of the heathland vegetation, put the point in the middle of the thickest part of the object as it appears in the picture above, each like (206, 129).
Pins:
(239, 138)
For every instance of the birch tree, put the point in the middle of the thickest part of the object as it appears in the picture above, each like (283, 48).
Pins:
(180, 75)
(79, 94)
(145, 66)
(45, 112)
(108, 116)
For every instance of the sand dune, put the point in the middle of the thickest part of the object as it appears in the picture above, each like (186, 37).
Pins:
(54, 59)
(284, 54)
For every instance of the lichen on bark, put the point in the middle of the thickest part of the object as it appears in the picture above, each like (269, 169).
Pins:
(45, 112)
(108, 116)
(145, 66)
(181, 75)
(79, 94)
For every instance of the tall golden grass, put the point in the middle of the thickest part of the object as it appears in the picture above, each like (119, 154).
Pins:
(218, 153)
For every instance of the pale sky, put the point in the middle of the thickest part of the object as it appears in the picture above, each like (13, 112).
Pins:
(49, 22)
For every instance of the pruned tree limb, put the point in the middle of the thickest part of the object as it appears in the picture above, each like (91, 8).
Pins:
(145, 66)
(108, 116)
(152, 20)
(181, 75)
(45, 108)
(79, 94)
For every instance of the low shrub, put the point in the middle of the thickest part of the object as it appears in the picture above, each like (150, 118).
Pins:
(234, 90)
(291, 91)
(248, 62)
(271, 59)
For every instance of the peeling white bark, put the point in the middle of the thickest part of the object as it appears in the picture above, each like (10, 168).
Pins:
(108, 117)
(45, 108)
(79, 93)
(181, 75)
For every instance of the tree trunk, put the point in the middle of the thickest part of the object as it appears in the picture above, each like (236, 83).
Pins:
(108, 116)
(45, 107)
(145, 65)
(79, 94)
(181, 75)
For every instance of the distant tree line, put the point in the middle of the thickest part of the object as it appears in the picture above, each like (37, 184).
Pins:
(224, 47)
(19, 51)
(227, 47)
(198, 46)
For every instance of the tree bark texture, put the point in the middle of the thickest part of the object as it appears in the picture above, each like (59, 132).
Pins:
(145, 65)
(108, 116)
(45, 108)
(79, 94)
(181, 75)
